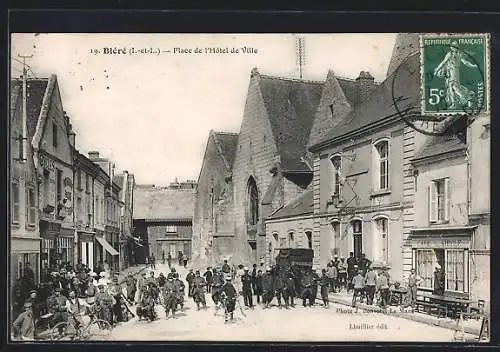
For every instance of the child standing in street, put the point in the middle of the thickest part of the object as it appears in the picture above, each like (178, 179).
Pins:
(324, 283)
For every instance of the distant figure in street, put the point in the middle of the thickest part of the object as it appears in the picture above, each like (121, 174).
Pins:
(180, 290)
(413, 281)
(331, 274)
(199, 284)
(351, 261)
(342, 275)
(179, 257)
(152, 260)
(289, 289)
(217, 283)
(324, 284)
(358, 282)
(254, 275)
(383, 287)
(226, 269)
(24, 325)
(163, 257)
(185, 259)
(258, 285)
(267, 287)
(229, 294)
(208, 278)
(246, 281)
(169, 260)
(189, 280)
(438, 280)
(371, 284)
(170, 297)
(307, 283)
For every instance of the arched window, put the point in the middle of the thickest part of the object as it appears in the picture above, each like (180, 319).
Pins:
(336, 166)
(381, 239)
(253, 202)
(291, 239)
(381, 171)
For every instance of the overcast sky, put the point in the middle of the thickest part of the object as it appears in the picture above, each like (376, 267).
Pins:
(152, 114)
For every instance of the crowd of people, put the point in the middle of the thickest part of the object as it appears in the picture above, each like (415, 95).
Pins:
(66, 293)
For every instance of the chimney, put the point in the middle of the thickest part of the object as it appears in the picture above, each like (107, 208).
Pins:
(365, 85)
(93, 155)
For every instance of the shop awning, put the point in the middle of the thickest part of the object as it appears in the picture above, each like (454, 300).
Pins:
(105, 244)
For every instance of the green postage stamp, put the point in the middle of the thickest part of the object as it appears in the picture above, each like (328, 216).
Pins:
(454, 74)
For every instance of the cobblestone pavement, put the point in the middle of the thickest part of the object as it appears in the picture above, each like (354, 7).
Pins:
(337, 323)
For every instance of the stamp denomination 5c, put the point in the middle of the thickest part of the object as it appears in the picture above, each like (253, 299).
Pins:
(455, 74)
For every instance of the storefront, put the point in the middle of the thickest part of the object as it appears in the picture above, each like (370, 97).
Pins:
(447, 248)
(49, 232)
(25, 254)
(86, 248)
(106, 252)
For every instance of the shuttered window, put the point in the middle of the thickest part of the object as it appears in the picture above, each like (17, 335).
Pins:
(15, 203)
(439, 200)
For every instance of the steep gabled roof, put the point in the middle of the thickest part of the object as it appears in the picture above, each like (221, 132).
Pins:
(226, 146)
(291, 106)
(302, 205)
(437, 145)
(35, 92)
(163, 203)
(402, 85)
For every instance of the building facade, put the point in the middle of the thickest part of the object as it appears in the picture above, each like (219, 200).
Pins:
(163, 221)
(290, 227)
(107, 251)
(126, 197)
(85, 176)
(24, 207)
(52, 139)
(213, 228)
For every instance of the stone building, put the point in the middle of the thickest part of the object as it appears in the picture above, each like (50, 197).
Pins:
(108, 250)
(126, 195)
(213, 227)
(163, 221)
(24, 207)
(85, 207)
(290, 226)
(50, 136)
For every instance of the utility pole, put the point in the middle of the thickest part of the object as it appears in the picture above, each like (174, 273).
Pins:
(23, 157)
(300, 47)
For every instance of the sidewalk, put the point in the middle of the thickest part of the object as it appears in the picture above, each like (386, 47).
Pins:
(471, 326)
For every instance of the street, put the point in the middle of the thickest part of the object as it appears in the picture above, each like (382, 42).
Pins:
(338, 323)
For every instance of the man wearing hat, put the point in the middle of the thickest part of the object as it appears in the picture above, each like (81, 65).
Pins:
(331, 274)
(171, 273)
(289, 290)
(413, 281)
(229, 292)
(226, 269)
(358, 282)
(75, 311)
(147, 307)
(351, 271)
(35, 304)
(115, 290)
(199, 284)
(24, 325)
(218, 282)
(438, 280)
(189, 280)
(307, 283)
(170, 296)
(267, 287)
(104, 304)
(342, 278)
(56, 305)
(140, 288)
(246, 281)
(179, 290)
(131, 283)
(208, 278)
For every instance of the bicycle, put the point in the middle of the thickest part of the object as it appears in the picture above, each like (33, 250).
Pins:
(95, 327)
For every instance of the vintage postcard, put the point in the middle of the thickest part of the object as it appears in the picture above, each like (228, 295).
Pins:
(249, 187)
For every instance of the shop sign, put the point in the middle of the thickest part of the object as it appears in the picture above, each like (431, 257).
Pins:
(47, 163)
(440, 243)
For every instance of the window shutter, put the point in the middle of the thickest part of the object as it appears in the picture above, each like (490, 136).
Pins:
(432, 202)
(446, 199)
(27, 206)
(466, 270)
